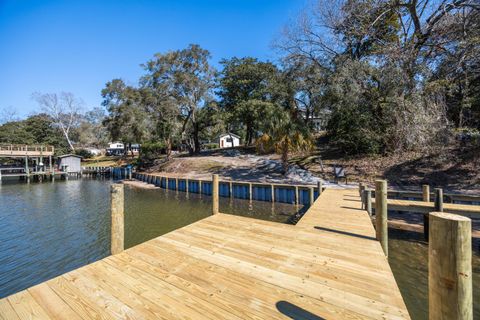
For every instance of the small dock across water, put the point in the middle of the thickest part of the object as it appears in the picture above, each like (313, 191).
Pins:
(328, 266)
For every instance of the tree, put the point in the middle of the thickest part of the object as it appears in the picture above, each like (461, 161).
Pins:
(64, 110)
(91, 131)
(186, 79)
(36, 129)
(127, 119)
(283, 135)
(381, 65)
(244, 84)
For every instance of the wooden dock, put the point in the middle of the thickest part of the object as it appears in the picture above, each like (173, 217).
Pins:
(328, 266)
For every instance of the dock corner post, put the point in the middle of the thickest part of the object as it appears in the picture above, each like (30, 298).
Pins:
(117, 212)
(368, 201)
(450, 267)
(215, 194)
(312, 196)
(381, 214)
(426, 193)
(320, 187)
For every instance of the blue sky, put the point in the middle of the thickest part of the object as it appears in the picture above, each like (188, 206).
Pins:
(77, 46)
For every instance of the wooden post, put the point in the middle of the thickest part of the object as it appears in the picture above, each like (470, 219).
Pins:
(426, 192)
(215, 194)
(250, 191)
(273, 192)
(27, 170)
(320, 187)
(166, 183)
(297, 200)
(368, 201)
(200, 186)
(186, 186)
(360, 188)
(381, 214)
(230, 191)
(117, 211)
(438, 200)
(176, 184)
(450, 267)
(312, 196)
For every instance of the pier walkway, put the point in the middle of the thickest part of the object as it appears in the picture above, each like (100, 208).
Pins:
(328, 266)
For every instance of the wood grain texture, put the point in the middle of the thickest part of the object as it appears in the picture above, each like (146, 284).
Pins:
(328, 266)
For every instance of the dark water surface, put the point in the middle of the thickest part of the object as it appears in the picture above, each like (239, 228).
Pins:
(408, 258)
(51, 228)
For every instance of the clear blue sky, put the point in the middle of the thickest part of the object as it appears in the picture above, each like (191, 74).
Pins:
(77, 46)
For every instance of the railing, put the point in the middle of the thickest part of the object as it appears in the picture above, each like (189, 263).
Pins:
(26, 148)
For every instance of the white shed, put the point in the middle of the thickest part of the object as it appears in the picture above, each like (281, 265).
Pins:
(228, 140)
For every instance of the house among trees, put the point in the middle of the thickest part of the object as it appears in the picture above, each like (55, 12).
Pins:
(119, 149)
(229, 140)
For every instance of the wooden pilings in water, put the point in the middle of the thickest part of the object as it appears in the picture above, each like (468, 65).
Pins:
(381, 214)
(450, 267)
(215, 195)
(426, 193)
(117, 212)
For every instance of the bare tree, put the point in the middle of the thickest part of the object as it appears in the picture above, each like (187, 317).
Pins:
(8, 115)
(64, 109)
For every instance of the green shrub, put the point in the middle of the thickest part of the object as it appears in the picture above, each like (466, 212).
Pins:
(152, 150)
(210, 146)
(84, 153)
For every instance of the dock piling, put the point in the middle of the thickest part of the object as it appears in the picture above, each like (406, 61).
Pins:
(215, 194)
(450, 267)
(426, 193)
(381, 214)
(117, 212)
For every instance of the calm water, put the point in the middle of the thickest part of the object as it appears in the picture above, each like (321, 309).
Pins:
(51, 228)
(408, 258)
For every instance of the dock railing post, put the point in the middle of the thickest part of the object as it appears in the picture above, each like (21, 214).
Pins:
(450, 267)
(438, 200)
(426, 193)
(368, 201)
(272, 190)
(297, 200)
(381, 214)
(312, 196)
(117, 212)
(438, 204)
(215, 194)
(320, 187)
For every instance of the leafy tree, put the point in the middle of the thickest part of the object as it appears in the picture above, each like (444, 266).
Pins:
(245, 86)
(36, 129)
(185, 79)
(127, 120)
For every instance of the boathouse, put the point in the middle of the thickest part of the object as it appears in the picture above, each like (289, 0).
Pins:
(70, 163)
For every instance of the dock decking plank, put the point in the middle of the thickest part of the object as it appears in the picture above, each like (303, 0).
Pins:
(232, 267)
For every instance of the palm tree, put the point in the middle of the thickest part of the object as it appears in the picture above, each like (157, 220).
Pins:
(284, 137)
